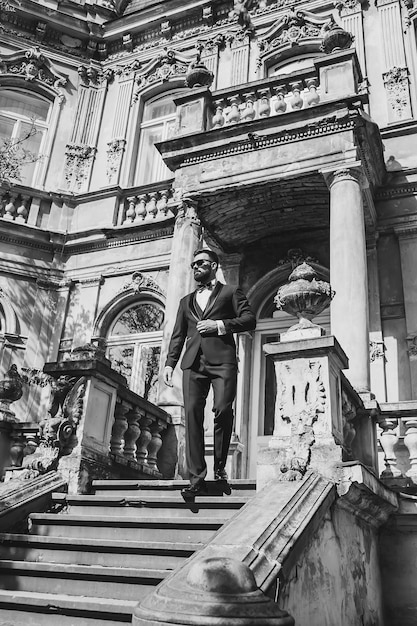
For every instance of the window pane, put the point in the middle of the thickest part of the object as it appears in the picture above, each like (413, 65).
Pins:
(149, 160)
(121, 358)
(159, 108)
(138, 319)
(152, 356)
(6, 127)
(24, 104)
(32, 143)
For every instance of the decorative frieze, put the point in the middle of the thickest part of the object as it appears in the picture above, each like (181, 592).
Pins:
(78, 164)
(398, 93)
(33, 65)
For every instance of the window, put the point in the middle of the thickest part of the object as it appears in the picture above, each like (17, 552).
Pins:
(158, 124)
(290, 66)
(134, 346)
(24, 116)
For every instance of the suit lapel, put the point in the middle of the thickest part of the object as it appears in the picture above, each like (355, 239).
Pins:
(194, 308)
(212, 300)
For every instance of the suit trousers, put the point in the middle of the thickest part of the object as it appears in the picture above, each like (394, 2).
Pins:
(196, 386)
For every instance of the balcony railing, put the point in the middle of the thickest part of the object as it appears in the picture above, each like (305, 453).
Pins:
(398, 440)
(148, 204)
(24, 205)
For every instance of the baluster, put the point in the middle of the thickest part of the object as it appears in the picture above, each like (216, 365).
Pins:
(10, 209)
(264, 104)
(163, 202)
(16, 449)
(119, 428)
(152, 208)
(22, 210)
(280, 104)
(249, 112)
(296, 101)
(141, 211)
(312, 97)
(131, 210)
(388, 438)
(132, 433)
(410, 441)
(31, 441)
(234, 113)
(218, 118)
(156, 443)
(144, 438)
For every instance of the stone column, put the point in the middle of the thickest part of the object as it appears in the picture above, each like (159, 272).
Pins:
(348, 273)
(407, 238)
(185, 241)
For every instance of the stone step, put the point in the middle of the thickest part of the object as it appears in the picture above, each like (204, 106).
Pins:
(79, 580)
(21, 608)
(240, 487)
(196, 530)
(145, 506)
(105, 553)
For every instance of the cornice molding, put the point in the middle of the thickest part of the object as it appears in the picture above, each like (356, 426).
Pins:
(406, 189)
(118, 243)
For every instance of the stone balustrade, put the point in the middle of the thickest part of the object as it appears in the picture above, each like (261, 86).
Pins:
(148, 204)
(136, 434)
(23, 205)
(398, 440)
(274, 96)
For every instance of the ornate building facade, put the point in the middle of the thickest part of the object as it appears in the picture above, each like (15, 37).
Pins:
(275, 133)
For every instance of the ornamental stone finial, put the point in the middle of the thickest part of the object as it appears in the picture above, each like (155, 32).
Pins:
(305, 297)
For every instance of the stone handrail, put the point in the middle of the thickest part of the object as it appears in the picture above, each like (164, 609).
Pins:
(23, 205)
(147, 204)
(398, 439)
(136, 433)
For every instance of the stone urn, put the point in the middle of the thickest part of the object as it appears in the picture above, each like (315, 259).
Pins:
(304, 296)
(335, 38)
(11, 389)
(198, 75)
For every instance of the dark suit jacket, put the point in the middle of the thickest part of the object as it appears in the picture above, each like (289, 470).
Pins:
(226, 303)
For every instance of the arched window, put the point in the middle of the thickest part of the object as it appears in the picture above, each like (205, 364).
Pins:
(158, 122)
(134, 346)
(24, 119)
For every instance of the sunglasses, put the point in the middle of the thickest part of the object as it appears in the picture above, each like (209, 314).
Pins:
(199, 263)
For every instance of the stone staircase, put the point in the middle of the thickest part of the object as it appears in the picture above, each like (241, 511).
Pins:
(93, 557)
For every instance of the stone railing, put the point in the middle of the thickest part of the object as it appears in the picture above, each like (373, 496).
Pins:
(332, 77)
(136, 434)
(92, 427)
(147, 204)
(398, 440)
(24, 205)
(274, 96)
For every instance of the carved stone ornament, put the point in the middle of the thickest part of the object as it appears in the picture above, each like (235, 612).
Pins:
(335, 37)
(349, 413)
(376, 350)
(115, 149)
(241, 13)
(304, 296)
(301, 399)
(412, 345)
(11, 389)
(33, 65)
(139, 282)
(87, 352)
(168, 65)
(295, 256)
(398, 92)
(197, 74)
(91, 75)
(78, 163)
(346, 7)
(58, 429)
(290, 30)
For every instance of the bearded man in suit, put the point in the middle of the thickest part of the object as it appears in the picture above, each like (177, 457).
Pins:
(206, 321)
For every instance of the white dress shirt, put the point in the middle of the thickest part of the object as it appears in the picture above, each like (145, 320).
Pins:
(203, 296)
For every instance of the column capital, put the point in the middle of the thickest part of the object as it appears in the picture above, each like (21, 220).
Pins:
(352, 173)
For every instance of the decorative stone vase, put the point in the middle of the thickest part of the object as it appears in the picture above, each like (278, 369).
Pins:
(11, 389)
(304, 296)
(198, 75)
(335, 38)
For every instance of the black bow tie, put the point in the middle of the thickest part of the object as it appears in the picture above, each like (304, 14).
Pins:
(209, 287)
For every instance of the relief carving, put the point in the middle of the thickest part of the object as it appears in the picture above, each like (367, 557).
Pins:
(115, 151)
(58, 429)
(139, 282)
(170, 64)
(78, 163)
(398, 92)
(301, 398)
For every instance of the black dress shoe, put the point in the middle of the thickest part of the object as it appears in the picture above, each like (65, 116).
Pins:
(199, 489)
(221, 479)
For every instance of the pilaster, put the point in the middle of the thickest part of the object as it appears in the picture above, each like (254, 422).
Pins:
(376, 340)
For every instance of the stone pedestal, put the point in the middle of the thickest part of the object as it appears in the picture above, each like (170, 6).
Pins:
(348, 273)
(308, 428)
(185, 241)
